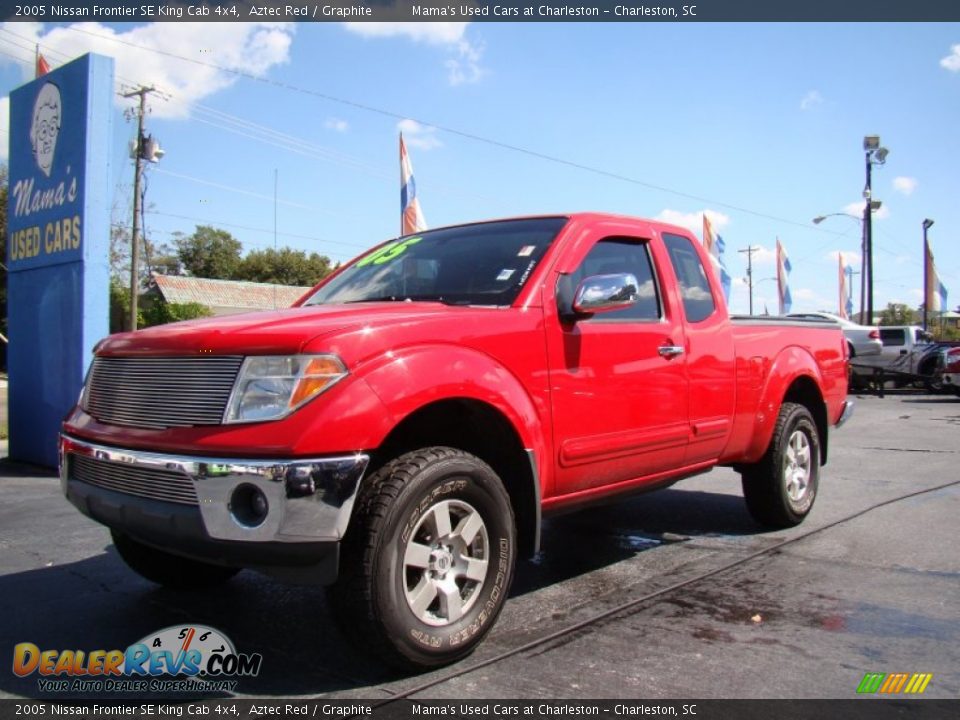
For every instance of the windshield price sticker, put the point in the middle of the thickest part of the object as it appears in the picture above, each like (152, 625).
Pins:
(388, 252)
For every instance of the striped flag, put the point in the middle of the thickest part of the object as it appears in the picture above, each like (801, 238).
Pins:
(783, 270)
(411, 217)
(936, 291)
(843, 299)
(42, 66)
(715, 247)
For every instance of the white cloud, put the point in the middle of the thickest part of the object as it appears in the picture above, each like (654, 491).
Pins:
(153, 55)
(952, 61)
(4, 127)
(849, 257)
(463, 66)
(694, 221)
(418, 136)
(336, 124)
(811, 99)
(764, 256)
(856, 209)
(905, 185)
(433, 33)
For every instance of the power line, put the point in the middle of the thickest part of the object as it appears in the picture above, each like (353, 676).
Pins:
(450, 130)
(217, 223)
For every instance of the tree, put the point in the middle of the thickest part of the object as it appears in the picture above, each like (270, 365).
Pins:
(285, 266)
(160, 312)
(898, 314)
(209, 253)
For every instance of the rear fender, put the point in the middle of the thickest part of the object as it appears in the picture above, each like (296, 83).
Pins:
(786, 375)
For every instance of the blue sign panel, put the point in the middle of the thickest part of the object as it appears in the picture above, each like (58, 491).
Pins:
(58, 218)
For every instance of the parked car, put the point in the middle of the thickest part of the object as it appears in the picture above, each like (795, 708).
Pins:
(862, 340)
(401, 432)
(950, 369)
(901, 340)
(910, 355)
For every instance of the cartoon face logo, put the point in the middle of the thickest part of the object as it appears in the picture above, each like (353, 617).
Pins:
(45, 126)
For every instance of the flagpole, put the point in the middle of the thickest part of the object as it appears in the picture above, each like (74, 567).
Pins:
(401, 181)
(927, 295)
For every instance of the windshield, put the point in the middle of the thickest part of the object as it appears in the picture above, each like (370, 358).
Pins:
(482, 264)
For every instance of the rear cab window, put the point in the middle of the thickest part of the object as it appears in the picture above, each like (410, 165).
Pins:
(698, 302)
(893, 338)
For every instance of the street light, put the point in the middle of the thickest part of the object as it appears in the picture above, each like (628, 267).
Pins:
(874, 154)
(874, 205)
(927, 224)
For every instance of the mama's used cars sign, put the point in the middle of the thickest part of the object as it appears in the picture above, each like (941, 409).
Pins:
(57, 245)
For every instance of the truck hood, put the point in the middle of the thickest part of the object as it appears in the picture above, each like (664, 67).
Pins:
(275, 332)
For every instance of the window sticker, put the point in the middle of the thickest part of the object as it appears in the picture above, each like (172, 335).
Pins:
(505, 274)
(526, 251)
(388, 252)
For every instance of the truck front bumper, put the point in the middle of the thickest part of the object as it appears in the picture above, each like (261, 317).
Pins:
(257, 513)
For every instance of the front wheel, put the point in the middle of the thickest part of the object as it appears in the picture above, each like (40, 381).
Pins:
(428, 560)
(780, 489)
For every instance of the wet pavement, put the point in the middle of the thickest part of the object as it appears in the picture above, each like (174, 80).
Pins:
(874, 592)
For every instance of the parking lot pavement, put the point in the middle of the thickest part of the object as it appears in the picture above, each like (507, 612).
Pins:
(675, 594)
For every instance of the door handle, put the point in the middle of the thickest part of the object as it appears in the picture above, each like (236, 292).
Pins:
(669, 351)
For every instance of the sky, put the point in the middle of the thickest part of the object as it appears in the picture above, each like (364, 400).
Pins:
(295, 127)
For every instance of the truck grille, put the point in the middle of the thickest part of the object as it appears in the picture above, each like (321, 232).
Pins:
(153, 483)
(161, 392)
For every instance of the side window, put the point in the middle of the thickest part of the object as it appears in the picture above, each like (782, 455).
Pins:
(623, 255)
(892, 338)
(697, 299)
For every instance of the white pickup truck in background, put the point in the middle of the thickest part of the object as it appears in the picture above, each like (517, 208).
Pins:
(909, 355)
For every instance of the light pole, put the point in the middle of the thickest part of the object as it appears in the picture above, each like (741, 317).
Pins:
(874, 154)
(749, 252)
(874, 205)
(927, 295)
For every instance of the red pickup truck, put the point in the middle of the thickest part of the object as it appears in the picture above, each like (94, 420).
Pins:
(400, 432)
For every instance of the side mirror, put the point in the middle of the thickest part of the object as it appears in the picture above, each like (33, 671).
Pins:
(602, 293)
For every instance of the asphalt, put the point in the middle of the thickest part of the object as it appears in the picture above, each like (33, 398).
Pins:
(675, 594)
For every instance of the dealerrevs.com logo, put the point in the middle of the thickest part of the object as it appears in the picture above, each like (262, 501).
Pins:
(179, 658)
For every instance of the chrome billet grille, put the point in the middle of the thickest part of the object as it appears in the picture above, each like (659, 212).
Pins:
(161, 392)
(154, 483)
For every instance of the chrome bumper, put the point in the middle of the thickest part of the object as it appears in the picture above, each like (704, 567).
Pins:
(846, 414)
(309, 500)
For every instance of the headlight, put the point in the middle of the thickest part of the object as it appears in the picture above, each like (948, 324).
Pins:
(271, 387)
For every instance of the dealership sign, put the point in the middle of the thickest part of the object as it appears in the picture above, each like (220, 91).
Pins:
(58, 219)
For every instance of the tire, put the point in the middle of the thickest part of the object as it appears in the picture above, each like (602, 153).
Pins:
(428, 559)
(169, 570)
(934, 384)
(781, 488)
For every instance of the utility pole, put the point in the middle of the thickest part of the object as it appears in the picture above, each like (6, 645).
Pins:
(749, 251)
(138, 172)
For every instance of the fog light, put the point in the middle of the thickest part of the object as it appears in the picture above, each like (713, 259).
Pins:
(249, 506)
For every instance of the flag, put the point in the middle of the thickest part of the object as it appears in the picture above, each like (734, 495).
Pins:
(844, 303)
(783, 270)
(411, 217)
(935, 293)
(850, 291)
(715, 247)
(43, 67)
